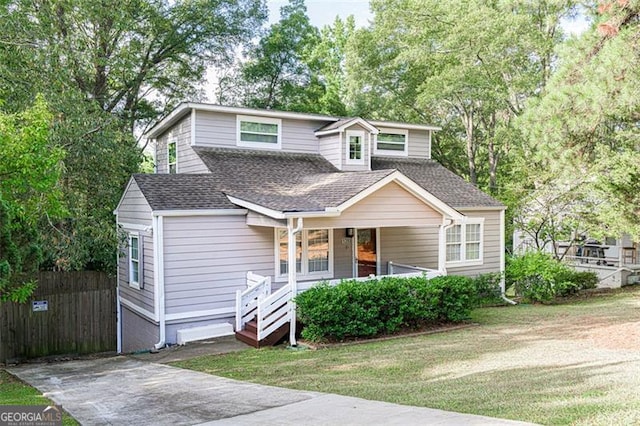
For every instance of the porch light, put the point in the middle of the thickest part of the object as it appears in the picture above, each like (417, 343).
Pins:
(349, 232)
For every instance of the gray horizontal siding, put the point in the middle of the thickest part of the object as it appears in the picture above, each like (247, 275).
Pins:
(389, 206)
(206, 259)
(329, 147)
(134, 207)
(343, 150)
(218, 129)
(491, 246)
(416, 246)
(188, 161)
(419, 143)
(135, 210)
(144, 297)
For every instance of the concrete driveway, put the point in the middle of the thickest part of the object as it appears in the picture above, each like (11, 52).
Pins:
(126, 391)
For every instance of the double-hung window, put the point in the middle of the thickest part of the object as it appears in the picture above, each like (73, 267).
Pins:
(313, 253)
(464, 243)
(392, 142)
(172, 157)
(355, 147)
(134, 260)
(259, 132)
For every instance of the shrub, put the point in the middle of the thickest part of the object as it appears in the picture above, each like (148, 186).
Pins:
(368, 308)
(537, 277)
(488, 290)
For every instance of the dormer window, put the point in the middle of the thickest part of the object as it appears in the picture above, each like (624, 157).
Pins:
(259, 132)
(172, 157)
(355, 147)
(392, 142)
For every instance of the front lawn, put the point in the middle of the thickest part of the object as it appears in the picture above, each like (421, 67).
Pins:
(15, 392)
(576, 363)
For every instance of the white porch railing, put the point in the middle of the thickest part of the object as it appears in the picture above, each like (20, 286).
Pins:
(274, 311)
(394, 268)
(258, 287)
(271, 310)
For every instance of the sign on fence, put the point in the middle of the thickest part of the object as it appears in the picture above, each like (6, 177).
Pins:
(39, 306)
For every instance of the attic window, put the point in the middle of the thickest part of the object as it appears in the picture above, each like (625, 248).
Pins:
(392, 142)
(172, 157)
(355, 147)
(259, 132)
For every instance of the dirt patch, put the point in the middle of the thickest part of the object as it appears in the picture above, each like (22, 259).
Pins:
(618, 336)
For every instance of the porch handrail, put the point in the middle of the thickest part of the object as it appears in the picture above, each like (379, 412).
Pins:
(274, 311)
(247, 300)
(391, 264)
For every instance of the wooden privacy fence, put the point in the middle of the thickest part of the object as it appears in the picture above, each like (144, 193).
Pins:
(70, 312)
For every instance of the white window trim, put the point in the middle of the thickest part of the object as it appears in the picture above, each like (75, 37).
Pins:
(463, 244)
(350, 133)
(255, 119)
(304, 275)
(176, 162)
(404, 132)
(132, 283)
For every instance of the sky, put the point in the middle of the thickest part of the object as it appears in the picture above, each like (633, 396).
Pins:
(324, 12)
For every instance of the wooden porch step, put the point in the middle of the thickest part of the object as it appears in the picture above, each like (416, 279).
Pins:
(250, 335)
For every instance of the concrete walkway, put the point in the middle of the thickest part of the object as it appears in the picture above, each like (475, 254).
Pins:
(127, 391)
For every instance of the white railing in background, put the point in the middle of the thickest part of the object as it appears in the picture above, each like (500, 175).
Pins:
(258, 287)
(394, 268)
(274, 311)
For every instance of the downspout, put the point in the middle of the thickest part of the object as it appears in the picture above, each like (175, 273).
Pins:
(118, 309)
(291, 249)
(159, 271)
(502, 262)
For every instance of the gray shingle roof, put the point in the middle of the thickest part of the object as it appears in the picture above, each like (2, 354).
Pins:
(290, 182)
(438, 180)
(182, 191)
(284, 181)
(336, 124)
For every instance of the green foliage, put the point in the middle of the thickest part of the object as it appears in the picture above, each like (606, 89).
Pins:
(106, 71)
(537, 277)
(29, 190)
(369, 308)
(468, 66)
(279, 72)
(488, 289)
(583, 128)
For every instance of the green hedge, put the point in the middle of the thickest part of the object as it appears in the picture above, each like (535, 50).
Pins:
(369, 308)
(538, 277)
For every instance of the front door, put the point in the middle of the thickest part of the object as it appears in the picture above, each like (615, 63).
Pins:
(366, 252)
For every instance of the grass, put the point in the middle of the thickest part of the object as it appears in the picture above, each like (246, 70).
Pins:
(15, 392)
(575, 363)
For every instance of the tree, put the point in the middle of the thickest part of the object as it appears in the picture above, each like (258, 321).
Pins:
(278, 72)
(29, 191)
(469, 66)
(135, 60)
(585, 123)
(105, 72)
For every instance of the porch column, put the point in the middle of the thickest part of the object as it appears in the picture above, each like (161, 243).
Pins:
(442, 245)
(291, 272)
